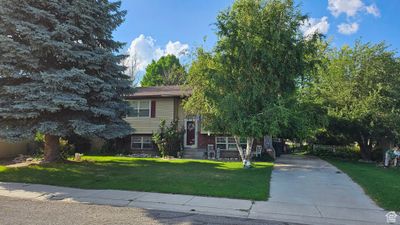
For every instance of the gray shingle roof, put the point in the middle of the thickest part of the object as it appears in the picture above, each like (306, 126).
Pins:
(161, 92)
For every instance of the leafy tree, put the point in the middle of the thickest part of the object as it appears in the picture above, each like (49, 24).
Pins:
(247, 85)
(59, 74)
(166, 71)
(360, 89)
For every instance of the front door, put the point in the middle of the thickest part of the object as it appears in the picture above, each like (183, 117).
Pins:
(190, 133)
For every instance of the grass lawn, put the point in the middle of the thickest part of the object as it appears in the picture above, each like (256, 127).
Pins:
(195, 177)
(382, 185)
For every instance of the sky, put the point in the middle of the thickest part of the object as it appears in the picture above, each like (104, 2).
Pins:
(154, 28)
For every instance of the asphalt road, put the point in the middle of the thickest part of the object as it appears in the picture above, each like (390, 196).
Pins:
(19, 211)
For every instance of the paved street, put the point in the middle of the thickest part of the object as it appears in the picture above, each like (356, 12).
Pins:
(15, 211)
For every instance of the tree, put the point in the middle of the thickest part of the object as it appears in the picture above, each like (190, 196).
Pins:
(247, 85)
(166, 71)
(360, 89)
(131, 63)
(59, 71)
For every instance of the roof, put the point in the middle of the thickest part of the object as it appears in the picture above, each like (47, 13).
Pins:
(160, 92)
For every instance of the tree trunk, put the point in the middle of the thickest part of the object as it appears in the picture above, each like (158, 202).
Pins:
(239, 147)
(51, 148)
(246, 158)
(365, 148)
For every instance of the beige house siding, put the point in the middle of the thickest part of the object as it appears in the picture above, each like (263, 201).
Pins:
(146, 125)
(181, 114)
(9, 150)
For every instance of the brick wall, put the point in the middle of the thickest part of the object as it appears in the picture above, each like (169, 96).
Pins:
(205, 140)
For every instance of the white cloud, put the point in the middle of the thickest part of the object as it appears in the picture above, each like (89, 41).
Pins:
(143, 50)
(348, 28)
(315, 25)
(373, 9)
(176, 48)
(349, 7)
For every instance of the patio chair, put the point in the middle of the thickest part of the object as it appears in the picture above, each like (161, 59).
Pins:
(258, 150)
(210, 151)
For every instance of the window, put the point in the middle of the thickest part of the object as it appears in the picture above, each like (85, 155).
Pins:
(228, 143)
(139, 108)
(141, 142)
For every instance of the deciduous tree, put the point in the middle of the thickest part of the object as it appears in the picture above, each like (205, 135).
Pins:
(166, 71)
(246, 85)
(359, 86)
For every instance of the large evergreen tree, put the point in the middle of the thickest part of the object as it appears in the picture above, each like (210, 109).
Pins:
(165, 71)
(59, 71)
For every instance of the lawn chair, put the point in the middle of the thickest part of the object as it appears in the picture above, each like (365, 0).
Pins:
(258, 150)
(210, 151)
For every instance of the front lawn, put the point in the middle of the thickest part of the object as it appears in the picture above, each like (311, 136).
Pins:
(195, 177)
(381, 184)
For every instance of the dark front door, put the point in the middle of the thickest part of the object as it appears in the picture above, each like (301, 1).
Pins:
(190, 133)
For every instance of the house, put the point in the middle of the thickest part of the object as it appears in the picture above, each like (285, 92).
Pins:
(10, 150)
(150, 105)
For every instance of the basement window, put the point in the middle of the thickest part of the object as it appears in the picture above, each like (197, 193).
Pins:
(141, 142)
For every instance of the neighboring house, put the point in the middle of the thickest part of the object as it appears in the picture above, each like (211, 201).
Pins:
(150, 105)
(9, 150)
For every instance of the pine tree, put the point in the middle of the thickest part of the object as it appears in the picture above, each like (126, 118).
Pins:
(60, 71)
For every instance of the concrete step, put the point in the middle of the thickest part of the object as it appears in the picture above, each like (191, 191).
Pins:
(193, 154)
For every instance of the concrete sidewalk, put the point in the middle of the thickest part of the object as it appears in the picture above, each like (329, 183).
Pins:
(270, 210)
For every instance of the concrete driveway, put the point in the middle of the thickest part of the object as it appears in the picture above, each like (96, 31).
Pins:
(309, 190)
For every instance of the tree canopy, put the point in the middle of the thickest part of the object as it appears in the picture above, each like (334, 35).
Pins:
(60, 73)
(359, 87)
(247, 85)
(166, 71)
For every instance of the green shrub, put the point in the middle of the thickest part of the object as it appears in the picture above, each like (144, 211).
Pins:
(265, 157)
(66, 149)
(339, 152)
(169, 139)
(81, 144)
(301, 149)
(37, 148)
(114, 146)
(377, 154)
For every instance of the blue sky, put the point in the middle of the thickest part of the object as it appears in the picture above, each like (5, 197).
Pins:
(158, 27)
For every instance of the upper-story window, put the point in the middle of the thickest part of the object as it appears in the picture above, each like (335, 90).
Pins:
(139, 108)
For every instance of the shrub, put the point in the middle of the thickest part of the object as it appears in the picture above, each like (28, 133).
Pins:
(115, 146)
(37, 148)
(265, 157)
(81, 144)
(340, 152)
(169, 139)
(66, 149)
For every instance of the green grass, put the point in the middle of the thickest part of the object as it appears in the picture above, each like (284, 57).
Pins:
(381, 184)
(195, 177)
